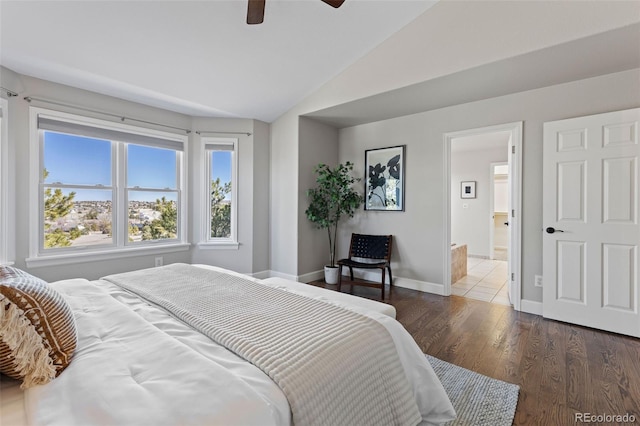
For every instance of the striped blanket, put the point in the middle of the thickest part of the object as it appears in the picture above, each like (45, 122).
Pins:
(335, 366)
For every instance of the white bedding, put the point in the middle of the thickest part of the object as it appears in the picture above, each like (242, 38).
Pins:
(136, 364)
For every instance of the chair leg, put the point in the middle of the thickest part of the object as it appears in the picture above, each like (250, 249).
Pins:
(390, 277)
(351, 273)
(339, 278)
(383, 270)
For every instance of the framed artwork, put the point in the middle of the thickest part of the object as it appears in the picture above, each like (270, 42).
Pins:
(384, 179)
(468, 189)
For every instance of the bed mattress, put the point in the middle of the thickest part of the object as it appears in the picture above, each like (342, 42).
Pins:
(132, 354)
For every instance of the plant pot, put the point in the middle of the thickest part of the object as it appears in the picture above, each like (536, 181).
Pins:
(331, 274)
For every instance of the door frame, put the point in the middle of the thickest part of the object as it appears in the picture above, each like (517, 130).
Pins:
(515, 173)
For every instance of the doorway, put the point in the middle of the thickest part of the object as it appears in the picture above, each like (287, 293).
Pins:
(482, 168)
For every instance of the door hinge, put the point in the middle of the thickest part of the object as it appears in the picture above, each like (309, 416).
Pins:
(513, 276)
(513, 213)
(513, 149)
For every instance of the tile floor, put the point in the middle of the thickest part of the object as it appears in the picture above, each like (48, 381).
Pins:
(485, 280)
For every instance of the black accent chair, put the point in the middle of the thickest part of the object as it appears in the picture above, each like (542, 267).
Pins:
(376, 247)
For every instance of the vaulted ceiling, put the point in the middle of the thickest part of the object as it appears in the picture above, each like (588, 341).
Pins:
(196, 57)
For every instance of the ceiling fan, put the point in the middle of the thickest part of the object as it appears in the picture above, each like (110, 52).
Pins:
(255, 10)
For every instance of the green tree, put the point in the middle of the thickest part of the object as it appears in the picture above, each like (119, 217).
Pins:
(56, 206)
(92, 214)
(133, 230)
(75, 233)
(166, 225)
(146, 232)
(332, 198)
(220, 210)
(57, 238)
(104, 223)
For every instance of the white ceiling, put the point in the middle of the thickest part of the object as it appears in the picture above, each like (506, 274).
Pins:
(600, 54)
(196, 57)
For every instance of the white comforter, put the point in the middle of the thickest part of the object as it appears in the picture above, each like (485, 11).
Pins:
(137, 365)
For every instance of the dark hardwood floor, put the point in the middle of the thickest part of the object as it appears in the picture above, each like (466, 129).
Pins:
(562, 369)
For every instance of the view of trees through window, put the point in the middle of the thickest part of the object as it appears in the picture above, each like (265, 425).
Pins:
(220, 175)
(78, 196)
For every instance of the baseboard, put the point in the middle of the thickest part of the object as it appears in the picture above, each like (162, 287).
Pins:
(374, 276)
(261, 275)
(423, 286)
(311, 276)
(281, 275)
(304, 278)
(531, 307)
(409, 283)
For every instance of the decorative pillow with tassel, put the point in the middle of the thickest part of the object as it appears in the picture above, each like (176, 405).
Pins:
(37, 329)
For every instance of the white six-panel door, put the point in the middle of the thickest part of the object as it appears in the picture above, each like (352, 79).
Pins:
(590, 220)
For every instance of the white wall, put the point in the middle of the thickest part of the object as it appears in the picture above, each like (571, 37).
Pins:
(471, 225)
(284, 199)
(418, 244)
(252, 254)
(7, 231)
(318, 144)
(261, 188)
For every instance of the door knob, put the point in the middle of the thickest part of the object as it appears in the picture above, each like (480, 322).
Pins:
(551, 230)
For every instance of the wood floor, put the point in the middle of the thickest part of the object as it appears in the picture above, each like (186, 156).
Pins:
(561, 369)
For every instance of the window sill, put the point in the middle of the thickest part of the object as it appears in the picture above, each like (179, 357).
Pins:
(219, 245)
(69, 258)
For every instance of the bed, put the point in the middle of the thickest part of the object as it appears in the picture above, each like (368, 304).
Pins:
(138, 362)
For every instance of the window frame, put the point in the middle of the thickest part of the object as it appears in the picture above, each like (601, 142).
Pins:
(120, 246)
(60, 185)
(206, 240)
(123, 155)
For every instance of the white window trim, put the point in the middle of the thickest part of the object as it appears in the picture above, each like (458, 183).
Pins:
(7, 232)
(206, 242)
(123, 199)
(96, 256)
(39, 258)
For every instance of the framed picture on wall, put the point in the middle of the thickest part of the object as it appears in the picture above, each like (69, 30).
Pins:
(384, 179)
(468, 189)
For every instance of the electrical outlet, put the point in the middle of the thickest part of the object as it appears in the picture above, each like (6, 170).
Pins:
(538, 281)
(159, 261)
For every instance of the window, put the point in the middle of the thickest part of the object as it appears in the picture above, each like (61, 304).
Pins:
(105, 187)
(221, 190)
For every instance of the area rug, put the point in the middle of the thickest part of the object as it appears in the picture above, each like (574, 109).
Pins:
(477, 399)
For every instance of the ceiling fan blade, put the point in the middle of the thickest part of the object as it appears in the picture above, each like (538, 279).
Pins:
(334, 3)
(255, 12)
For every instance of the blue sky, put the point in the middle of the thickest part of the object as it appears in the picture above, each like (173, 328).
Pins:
(73, 159)
(221, 167)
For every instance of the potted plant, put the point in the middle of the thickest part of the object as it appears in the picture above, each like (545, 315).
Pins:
(332, 198)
